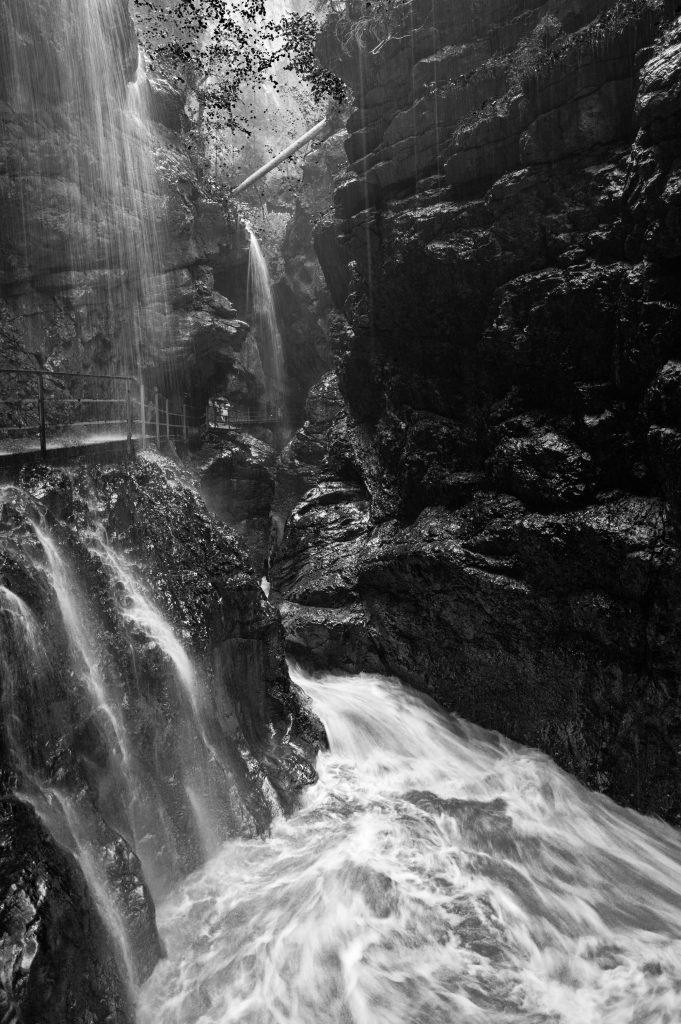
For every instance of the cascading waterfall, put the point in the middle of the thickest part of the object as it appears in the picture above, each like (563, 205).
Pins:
(102, 753)
(264, 316)
(23, 661)
(102, 200)
(436, 873)
(146, 819)
(196, 747)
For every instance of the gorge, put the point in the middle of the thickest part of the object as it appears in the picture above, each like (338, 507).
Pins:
(430, 769)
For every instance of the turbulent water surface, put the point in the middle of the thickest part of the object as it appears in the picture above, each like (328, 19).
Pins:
(437, 873)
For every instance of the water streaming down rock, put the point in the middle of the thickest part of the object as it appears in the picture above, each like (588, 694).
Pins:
(112, 734)
(22, 657)
(128, 794)
(80, 634)
(79, 840)
(90, 217)
(263, 315)
(196, 752)
(144, 710)
(437, 872)
(71, 820)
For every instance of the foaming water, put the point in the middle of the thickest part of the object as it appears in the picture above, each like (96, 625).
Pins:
(437, 873)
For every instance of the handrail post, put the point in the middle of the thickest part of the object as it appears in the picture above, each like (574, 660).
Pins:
(208, 415)
(168, 420)
(41, 416)
(157, 417)
(185, 435)
(143, 416)
(128, 410)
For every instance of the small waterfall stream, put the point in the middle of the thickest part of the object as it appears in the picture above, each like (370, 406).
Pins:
(437, 873)
(263, 313)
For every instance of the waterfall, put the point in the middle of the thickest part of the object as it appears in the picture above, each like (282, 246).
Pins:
(127, 791)
(264, 316)
(437, 872)
(114, 732)
(23, 663)
(22, 658)
(198, 748)
(80, 635)
(88, 201)
(139, 610)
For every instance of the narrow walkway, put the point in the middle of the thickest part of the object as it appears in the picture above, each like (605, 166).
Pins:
(52, 424)
(67, 438)
(62, 451)
(239, 423)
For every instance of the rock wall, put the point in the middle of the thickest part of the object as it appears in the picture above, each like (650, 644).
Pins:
(303, 295)
(109, 242)
(56, 956)
(509, 361)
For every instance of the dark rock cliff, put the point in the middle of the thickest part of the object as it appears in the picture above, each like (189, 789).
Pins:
(303, 295)
(510, 362)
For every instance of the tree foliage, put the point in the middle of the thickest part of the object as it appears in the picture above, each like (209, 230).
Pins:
(367, 24)
(218, 48)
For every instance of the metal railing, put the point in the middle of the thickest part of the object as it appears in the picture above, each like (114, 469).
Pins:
(77, 417)
(169, 425)
(235, 416)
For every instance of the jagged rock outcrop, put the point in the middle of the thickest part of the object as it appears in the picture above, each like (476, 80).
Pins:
(314, 562)
(509, 362)
(237, 485)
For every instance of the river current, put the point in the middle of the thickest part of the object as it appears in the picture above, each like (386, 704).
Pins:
(436, 874)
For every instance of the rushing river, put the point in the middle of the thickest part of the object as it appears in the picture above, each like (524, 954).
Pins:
(436, 874)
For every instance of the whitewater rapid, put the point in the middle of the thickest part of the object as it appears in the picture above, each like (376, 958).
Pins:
(436, 874)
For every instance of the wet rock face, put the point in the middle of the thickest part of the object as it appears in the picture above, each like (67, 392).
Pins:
(304, 296)
(509, 366)
(552, 627)
(314, 561)
(555, 627)
(57, 960)
(145, 709)
(237, 484)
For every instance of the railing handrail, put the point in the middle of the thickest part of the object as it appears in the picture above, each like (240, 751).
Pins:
(68, 373)
(165, 423)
